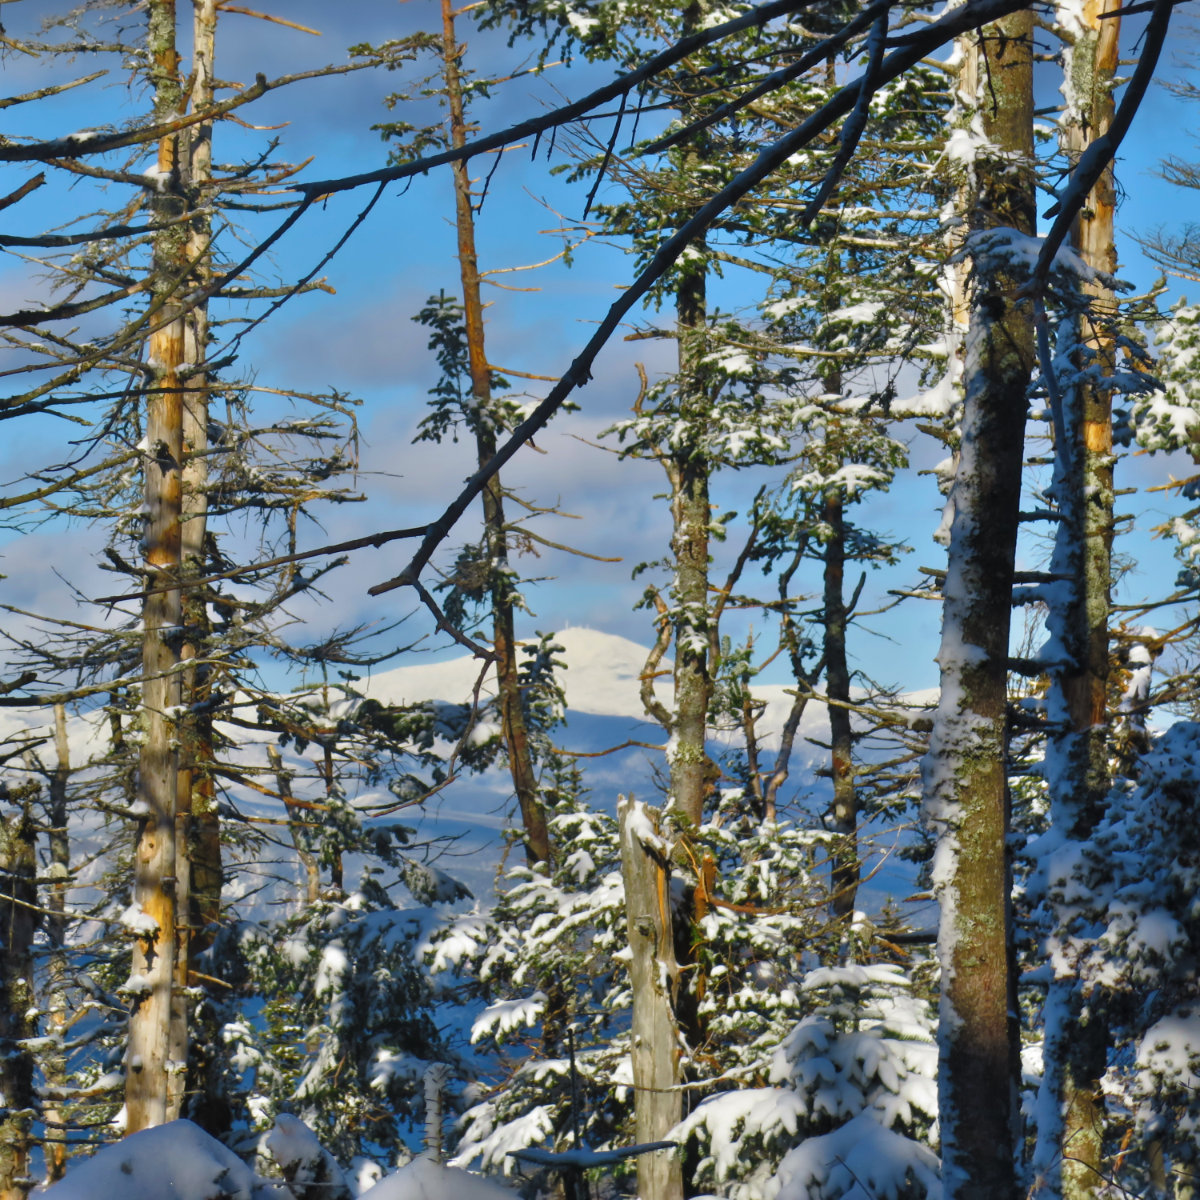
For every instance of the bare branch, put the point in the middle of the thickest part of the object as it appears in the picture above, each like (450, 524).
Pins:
(578, 109)
(28, 186)
(53, 90)
(75, 145)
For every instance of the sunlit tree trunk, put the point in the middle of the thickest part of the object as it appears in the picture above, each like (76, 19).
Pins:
(966, 768)
(654, 979)
(688, 467)
(508, 691)
(1067, 1157)
(152, 1052)
(198, 832)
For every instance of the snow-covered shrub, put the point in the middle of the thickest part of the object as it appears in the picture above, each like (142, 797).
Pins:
(178, 1161)
(1168, 418)
(764, 925)
(557, 963)
(347, 1021)
(1134, 941)
(553, 970)
(855, 1077)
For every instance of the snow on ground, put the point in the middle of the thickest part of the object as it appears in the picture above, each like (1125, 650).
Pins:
(179, 1161)
(423, 1179)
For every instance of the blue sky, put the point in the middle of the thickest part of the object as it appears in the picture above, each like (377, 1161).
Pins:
(364, 342)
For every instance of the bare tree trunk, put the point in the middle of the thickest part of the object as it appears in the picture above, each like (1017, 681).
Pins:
(654, 974)
(54, 1147)
(508, 691)
(779, 773)
(1067, 1158)
(336, 880)
(966, 768)
(804, 683)
(845, 874)
(18, 1006)
(152, 1052)
(689, 469)
(198, 860)
(435, 1079)
(752, 711)
(1093, 62)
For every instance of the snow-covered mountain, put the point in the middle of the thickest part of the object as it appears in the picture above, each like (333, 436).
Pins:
(622, 751)
(602, 679)
(602, 676)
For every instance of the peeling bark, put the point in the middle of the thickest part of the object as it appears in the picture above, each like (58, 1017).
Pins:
(54, 1063)
(198, 836)
(152, 1054)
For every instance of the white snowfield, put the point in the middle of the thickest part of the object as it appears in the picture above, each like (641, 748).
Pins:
(423, 1179)
(603, 675)
(602, 679)
(179, 1161)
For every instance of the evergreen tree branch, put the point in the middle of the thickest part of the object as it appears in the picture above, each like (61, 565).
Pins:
(776, 80)
(856, 122)
(915, 47)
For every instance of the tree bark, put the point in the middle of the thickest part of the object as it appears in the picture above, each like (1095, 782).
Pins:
(1067, 1157)
(198, 863)
(689, 469)
(54, 1147)
(966, 768)
(845, 865)
(152, 1052)
(18, 1006)
(654, 975)
(508, 690)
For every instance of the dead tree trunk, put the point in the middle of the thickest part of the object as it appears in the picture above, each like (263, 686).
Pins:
(308, 860)
(688, 468)
(198, 857)
(508, 691)
(153, 1050)
(654, 975)
(966, 768)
